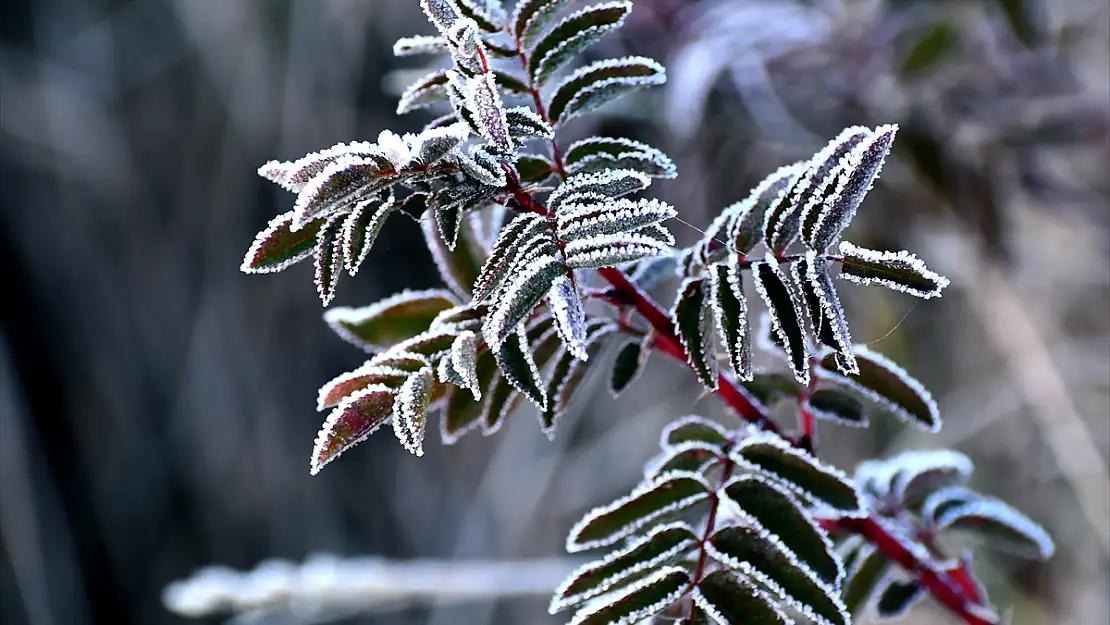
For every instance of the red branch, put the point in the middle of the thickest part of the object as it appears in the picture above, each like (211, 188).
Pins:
(943, 586)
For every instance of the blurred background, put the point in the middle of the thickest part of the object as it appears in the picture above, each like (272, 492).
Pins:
(157, 406)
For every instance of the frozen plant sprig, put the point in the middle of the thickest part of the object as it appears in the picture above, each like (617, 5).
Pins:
(513, 327)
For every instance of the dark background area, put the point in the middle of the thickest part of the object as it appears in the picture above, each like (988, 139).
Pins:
(157, 405)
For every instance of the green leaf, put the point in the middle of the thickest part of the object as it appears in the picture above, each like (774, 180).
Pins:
(638, 601)
(870, 567)
(901, 271)
(410, 410)
(459, 267)
(786, 315)
(426, 91)
(940, 41)
(463, 411)
(525, 124)
(667, 494)
(692, 456)
(533, 168)
(777, 511)
(506, 253)
(730, 313)
(730, 600)
(770, 387)
(278, 247)
(887, 384)
(514, 359)
(694, 428)
(858, 170)
(764, 558)
(390, 321)
(601, 82)
(600, 153)
(519, 297)
(743, 221)
(783, 214)
(799, 471)
(691, 315)
(897, 597)
(826, 314)
(328, 257)
(824, 170)
(610, 250)
(833, 405)
(531, 18)
(489, 16)
(661, 547)
(574, 34)
(361, 228)
(567, 374)
(628, 365)
(357, 417)
(919, 474)
(1000, 523)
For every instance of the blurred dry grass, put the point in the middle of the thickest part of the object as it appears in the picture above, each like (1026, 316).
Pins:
(156, 406)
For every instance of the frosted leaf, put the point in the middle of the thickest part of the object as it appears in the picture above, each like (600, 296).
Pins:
(531, 18)
(442, 13)
(884, 382)
(570, 318)
(295, 175)
(694, 456)
(900, 271)
(799, 471)
(769, 387)
(432, 145)
(387, 322)
(782, 216)
(357, 417)
(772, 508)
(598, 83)
(661, 547)
(896, 598)
(670, 492)
(466, 45)
(424, 92)
(693, 428)
(446, 373)
(870, 567)
(651, 272)
(462, 411)
(744, 220)
(430, 344)
(361, 228)
(520, 296)
(611, 184)
(595, 153)
(577, 221)
(329, 259)
(398, 359)
(820, 181)
(341, 183)
(395, 148)
(858, 171)
(488, 14)
(510, 84)
(505, 253)
(518, 367)
(763, 556)
(826, 314)
(920, 473)
(1000, 523)
(410, 410)
(419, 44)
(524, 124)
(692, 318)
(732, 600)
(347, 384)
(730, 314)
(838, 407)
(610, 250)
(567, 373)
(638, 601)
(785, 314)
(464, 361)
(459, 267)
(628, 365)
(480, 165)
(572, 35)
(533, 168)
(484, 101)
(277, 246)
(658, 232)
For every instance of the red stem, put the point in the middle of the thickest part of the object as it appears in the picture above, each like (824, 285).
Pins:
(943, 586)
